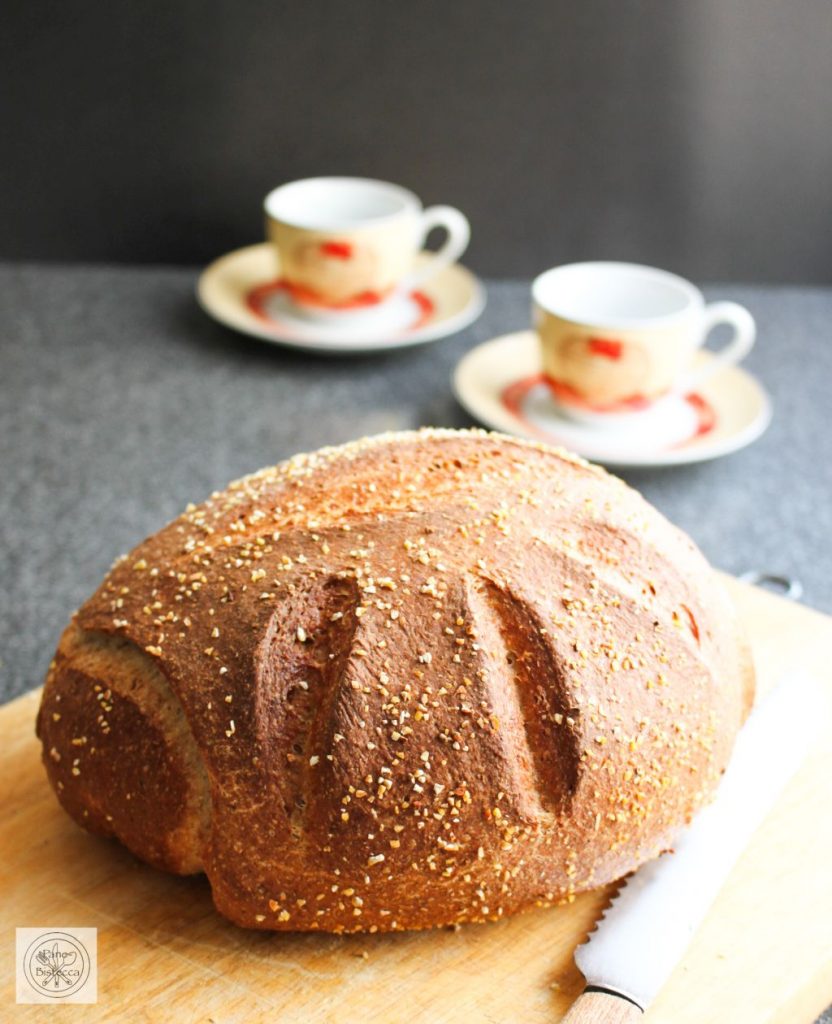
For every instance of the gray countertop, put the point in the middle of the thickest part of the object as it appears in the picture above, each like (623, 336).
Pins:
(122, 401)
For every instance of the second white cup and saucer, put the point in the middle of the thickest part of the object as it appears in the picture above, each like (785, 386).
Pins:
(616, 369)
(344, 270)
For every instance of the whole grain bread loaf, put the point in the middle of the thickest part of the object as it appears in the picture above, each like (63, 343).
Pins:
(420, 679)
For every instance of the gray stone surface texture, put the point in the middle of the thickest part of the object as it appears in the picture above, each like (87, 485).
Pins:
(122, 401)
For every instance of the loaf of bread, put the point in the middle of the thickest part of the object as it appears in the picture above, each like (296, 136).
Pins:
(420, 679)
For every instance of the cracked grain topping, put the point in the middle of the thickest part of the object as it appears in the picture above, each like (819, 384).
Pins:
(417, 680)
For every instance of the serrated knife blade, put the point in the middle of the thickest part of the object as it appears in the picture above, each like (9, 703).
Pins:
(650, 922)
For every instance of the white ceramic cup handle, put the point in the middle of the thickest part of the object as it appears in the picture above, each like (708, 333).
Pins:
(459, 233)
(737, 348)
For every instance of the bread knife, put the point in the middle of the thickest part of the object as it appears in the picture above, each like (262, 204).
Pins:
(649, 924)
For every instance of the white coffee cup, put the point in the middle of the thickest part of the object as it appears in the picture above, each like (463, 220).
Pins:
(616, 337)
(345, 244)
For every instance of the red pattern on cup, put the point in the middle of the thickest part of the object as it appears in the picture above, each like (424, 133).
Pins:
(337, 250)
(606, 347)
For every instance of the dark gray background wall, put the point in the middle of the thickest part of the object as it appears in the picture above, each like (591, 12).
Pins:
(695, 134)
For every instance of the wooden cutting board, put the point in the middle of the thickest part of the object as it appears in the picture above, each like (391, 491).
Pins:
(763, 955)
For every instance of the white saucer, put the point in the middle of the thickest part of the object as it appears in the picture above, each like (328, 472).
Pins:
(242, 291)
(499, 384)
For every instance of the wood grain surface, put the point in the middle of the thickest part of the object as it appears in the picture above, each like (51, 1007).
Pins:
(602, 1008)
(762, 956)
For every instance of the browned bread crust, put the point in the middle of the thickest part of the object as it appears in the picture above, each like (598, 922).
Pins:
(416, 680)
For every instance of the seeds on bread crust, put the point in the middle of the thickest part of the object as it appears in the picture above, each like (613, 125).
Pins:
(416, 680)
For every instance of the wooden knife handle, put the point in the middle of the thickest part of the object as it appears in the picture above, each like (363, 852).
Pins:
(602, 1008)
